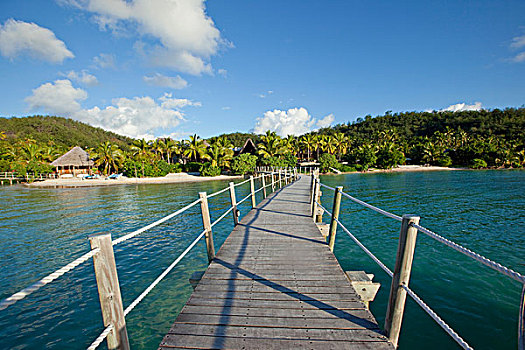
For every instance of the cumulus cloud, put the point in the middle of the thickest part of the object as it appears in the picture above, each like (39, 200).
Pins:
(161, 80)
(185, 36)
(82, 77)
(18, 37)
(138, 117)
(59, 97)
(105, 60)
(519, 57)
(295, 121)
(462, 107)
(222, 72)
(518, 42)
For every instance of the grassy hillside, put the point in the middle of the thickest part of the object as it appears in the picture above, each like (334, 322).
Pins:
(65, 133)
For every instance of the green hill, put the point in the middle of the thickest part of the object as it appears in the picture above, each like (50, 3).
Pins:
(63, 132)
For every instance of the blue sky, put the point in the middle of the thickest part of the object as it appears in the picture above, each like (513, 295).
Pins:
(151, 68)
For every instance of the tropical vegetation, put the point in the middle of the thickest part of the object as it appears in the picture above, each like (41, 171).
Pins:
(476, 139)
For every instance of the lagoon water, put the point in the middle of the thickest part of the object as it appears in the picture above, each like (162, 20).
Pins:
(43, 229)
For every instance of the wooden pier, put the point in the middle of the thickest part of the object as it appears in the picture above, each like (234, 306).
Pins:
(275, 284)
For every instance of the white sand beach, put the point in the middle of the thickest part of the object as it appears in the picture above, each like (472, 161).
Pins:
(170, 178)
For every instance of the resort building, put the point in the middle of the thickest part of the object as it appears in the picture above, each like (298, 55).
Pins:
(249, 147)
(74, 162)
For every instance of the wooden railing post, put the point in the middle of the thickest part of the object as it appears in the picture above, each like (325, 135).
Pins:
(402, 269)
(252, 190)
(314, 197)
(280, 179)
(263, 185)
(335, 216)
(273, 182)
(206, 224)
(234, 204)
(109, 291)
(521, 322)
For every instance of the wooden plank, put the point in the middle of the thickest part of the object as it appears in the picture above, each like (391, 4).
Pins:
(275, 284)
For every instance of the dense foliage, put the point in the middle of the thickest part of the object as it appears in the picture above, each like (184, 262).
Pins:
(477, 139)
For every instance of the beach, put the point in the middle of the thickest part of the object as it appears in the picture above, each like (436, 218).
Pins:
(168, 179)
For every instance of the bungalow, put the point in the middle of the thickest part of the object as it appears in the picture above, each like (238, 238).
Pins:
(249, 147)
(74, 162)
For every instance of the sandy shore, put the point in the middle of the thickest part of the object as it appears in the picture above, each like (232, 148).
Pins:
(408, 168)
(168, 179)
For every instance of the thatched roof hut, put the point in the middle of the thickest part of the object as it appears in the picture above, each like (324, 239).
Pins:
(249, 147)
(75, 159)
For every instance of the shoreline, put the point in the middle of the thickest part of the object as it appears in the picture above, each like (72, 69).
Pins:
(168, 179)
(405, 169)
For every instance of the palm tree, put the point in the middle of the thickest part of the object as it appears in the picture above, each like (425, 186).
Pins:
(30, 151)
(108, 156)
(318, 143)
(270, 145)
(341, 143)
(2, 135)
(159, 146)
(140, 150)
(290, 144)
(308, 141)
(170, 147)
(195, 148)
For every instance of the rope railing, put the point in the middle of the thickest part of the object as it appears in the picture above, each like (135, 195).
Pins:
(410, 292)
(478, 257)
(4, 304)
(487, 262)
(93, 253)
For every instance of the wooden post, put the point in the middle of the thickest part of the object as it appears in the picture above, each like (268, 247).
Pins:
(319, 215)
(273, 183)
(263, 185)
(335, 216)
(521, 322)
(234, 204)
(280, 179)
(314, 204)
(402, 269)
(252, 190)
(206, 224)
(109, 291)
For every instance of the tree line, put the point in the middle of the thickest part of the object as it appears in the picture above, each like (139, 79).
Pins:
(476, 139)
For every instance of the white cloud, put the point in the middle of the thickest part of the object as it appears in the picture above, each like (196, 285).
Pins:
(519, 57)
(105, 60)
(83, 77)
(222, 72)
(462, 107)
(518, 42)
(295, 121)
(326, 121)
(18, 37)
(165, 81)
(226, 108)
(139, 117)
(59, 97)
(185, 36)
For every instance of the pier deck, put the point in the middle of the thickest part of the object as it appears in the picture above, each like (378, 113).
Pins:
(275, 284)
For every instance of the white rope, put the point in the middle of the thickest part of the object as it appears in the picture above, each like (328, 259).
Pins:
(323, 185)
(222, 216)
(161, 276)
(218, 192)
(485, 261)
(410, 292)
(156, 223)
(259, 190)
(241, 183)
(437, 319)
(381, 211)
(245, 198)
(100, 338)
(4, 304)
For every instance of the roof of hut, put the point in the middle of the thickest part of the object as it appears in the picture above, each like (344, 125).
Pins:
(75, 157)
(249, 147)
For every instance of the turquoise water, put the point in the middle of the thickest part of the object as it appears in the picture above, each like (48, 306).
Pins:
(42, 229)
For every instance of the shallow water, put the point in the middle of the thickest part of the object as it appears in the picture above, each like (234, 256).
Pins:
(43, 229)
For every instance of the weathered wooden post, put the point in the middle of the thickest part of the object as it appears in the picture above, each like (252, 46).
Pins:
(521, 322)
(109, 291)
(280, 179)
(273, 182)
(234, 204)
(320, 211)
(314, 197)
(252, 190)
(402, 269)
(263, 185)
(206, 224)
(335, 216)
